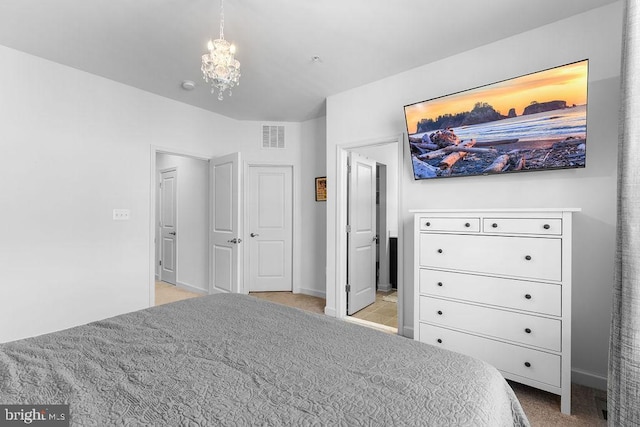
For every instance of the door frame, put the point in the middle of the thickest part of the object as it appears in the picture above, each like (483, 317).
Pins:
(296, 231)
(384, 265)
(342, 153)
(153, 214)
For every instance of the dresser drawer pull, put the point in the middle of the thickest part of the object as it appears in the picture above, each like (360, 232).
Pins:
(527, 296)
(439, 341)
(527, 364)
(467, 225)
(428, 224)
(439, 283)
(494, 225)
(528, 257)
(527, 330)
(439, 251)
(546, 226)
(440, 312)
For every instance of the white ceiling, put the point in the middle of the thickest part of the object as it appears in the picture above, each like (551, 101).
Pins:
(156, 44)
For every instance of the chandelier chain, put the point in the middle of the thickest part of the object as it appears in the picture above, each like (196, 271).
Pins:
(222, 19)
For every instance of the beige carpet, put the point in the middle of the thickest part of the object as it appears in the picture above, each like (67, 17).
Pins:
(542, 408)
(305, 302)
(166, 293)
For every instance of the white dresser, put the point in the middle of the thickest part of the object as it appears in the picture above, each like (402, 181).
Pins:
(496, 285)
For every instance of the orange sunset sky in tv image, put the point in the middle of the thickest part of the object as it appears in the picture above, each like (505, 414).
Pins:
(567, 83)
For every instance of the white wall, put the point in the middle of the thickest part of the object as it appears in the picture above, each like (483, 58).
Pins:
(192, 222)
(375, 110)
(74, 147)
(314, 214)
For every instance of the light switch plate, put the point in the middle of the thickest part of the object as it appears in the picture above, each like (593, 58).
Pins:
(121, 214)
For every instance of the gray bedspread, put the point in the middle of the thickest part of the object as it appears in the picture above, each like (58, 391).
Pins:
(238, 360)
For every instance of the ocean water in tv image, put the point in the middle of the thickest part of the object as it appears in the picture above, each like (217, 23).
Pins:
(546, 140)
(569, 122)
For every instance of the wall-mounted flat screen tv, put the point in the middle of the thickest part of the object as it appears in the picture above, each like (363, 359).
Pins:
(529, 123)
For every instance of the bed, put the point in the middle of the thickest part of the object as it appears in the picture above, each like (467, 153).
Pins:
(238, 360)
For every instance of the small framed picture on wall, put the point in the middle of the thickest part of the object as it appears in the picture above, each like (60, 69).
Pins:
(321, 189)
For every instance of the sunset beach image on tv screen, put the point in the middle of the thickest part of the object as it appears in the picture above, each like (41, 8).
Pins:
(533, 122)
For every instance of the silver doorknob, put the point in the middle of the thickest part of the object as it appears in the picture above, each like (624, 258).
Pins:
(375, 238)
(234, 240)
(254, 234)
(173, 233)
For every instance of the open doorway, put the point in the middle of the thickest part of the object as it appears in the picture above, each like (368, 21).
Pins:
(181, 225)
(383, 311)
(383, 308)
(166, 214)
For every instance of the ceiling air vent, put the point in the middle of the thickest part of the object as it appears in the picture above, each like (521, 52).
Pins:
(272, 136)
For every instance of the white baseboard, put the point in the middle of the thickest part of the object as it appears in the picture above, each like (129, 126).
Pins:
(191, 288)
(372, 325)
(384, 287)
(313, 292)
(330, 311)
(407, 332)
(588, 379)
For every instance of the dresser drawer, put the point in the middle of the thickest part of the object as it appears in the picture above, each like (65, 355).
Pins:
(508, 358)
(527, 257)
(470, 224)
(542, 226)
(522, 328)
(535, 297)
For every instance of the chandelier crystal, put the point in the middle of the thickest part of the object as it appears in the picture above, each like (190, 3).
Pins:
(219, 67)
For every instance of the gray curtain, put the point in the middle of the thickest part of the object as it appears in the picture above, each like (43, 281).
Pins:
(624, 349)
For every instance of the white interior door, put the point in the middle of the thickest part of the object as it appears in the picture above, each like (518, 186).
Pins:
(270, 228)
(168, 237)
(225, 242)
(361, 214)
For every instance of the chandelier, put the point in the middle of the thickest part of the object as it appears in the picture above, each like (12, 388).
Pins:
(219, 67)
